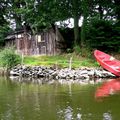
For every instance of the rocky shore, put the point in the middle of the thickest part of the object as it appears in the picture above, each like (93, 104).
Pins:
(50, 73)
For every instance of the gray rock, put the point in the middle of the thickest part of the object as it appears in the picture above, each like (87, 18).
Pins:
(66, 74)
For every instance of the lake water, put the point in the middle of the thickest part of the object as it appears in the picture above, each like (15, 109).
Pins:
(22, 101)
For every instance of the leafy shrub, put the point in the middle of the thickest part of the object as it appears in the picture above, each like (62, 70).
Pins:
(8, 58)
(103, 35)
(84, 52)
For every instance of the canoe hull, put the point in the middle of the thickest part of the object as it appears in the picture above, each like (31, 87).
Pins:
(108, 62)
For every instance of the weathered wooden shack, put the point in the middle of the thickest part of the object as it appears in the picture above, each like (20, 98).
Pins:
(49, 42)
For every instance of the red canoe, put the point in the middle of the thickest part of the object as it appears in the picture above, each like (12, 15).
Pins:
(108, 62)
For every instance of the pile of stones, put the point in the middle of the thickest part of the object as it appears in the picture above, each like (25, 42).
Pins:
(52, 73)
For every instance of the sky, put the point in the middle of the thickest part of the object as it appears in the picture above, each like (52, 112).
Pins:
(68, 23)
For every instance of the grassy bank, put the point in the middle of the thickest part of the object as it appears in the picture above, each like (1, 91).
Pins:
(9, 59)
(60, 61)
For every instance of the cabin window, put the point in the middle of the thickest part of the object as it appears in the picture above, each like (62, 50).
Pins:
(39, 38)
(19, 36)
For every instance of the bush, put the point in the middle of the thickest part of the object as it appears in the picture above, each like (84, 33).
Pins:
(8, 58)
(103, 35)
(84, 52)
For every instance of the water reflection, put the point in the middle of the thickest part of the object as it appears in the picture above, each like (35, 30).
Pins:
(55, 101)
(68, 114)
(107, 116)
(109, 87)
(41, 81)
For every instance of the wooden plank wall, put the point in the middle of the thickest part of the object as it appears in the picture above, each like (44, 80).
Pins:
(44, 43)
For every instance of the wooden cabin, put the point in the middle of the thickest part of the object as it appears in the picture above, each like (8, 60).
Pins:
(49, 42)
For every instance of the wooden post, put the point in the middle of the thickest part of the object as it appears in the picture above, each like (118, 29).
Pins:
(70, 63)
(22, 56)
(56, 65)
(70, 90)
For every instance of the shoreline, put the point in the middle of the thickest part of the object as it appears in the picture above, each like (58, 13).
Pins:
(63, 73)
(49, 75)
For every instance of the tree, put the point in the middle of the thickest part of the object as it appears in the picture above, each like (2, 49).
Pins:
(85, 12)
(76, 21)
(4, 28)
(41, 14)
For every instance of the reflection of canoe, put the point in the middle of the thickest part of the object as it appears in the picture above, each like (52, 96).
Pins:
(108, 88)
(108, 62)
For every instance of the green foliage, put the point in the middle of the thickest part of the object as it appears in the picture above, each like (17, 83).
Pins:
(77, 49)
(3, 33)
(41, 14)
(103, 35)
(8, 58)
(84, 52)
(4, 26)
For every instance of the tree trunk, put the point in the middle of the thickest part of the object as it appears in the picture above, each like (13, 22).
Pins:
(83, 28)
(100, 11)
(17, 16)
(76, 20)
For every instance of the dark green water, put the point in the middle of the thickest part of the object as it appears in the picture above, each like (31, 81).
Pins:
(21, 101)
